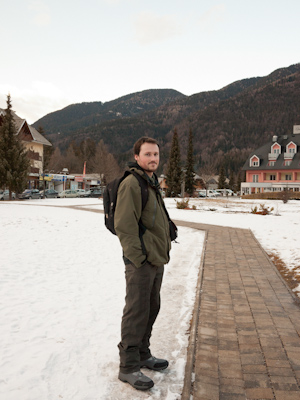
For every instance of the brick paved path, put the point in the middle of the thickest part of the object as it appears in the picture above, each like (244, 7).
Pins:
(246, 324)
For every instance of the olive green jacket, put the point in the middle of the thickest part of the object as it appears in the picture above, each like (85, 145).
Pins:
(127, 215)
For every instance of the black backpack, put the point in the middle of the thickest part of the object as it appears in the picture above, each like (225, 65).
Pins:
(110, 196)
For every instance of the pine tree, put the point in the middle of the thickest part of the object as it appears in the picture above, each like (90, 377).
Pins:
(47, 151)
(173, 177)
(239, 181)
(222, 178)
(189, 172)
(14, 163)
(232, 181)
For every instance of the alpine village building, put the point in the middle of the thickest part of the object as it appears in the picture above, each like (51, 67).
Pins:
(274, 166)
(34, 143)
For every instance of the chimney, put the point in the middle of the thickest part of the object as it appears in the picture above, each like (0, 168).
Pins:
(275, 138)
(296, 129)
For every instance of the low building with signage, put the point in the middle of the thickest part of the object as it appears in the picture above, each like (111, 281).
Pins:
(63, 181)
(275, 166)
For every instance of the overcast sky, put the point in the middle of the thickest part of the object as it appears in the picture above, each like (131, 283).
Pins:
(59, 52)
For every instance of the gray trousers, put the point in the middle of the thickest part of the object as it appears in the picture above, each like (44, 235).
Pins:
(142, 304)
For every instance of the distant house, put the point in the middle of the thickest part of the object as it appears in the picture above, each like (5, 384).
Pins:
(275, 166)
(34, 143)
(198, 183)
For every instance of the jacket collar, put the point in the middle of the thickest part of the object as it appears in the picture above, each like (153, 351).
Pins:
(135, 165)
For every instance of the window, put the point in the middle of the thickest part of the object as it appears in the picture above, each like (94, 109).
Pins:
(254, 161)
(292, 150)
(271, 163)
(288, 162)
(272, 177)
(288, 177)
(276, 151)
(254, 178)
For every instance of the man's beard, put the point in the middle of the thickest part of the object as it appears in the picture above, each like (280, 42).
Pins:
(155, 166)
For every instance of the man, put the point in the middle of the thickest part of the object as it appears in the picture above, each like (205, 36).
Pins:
(144, 257)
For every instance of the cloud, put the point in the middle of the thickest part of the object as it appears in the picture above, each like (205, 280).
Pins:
(212, 16)
(34, 101)
(151, 27)
(42, 15)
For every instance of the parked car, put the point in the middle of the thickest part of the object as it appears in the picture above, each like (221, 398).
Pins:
(29, 194)
(214, 193)
(49, 193)
(95, 193)
(208, 193)
(68, 193)
(226, 192)
(4, 195)
(82, 192)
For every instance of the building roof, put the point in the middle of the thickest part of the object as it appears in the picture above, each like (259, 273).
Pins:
(20, 122)
(263, 152)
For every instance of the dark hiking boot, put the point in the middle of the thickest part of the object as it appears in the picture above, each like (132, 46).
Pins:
(137, 380)
(157, 364)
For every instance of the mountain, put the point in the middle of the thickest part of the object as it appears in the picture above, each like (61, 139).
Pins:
(227, 124)
(83, 115)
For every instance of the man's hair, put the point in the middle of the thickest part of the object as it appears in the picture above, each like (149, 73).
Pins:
(137, 145)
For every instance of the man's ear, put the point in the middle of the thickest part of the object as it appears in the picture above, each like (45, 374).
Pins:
(136, 157)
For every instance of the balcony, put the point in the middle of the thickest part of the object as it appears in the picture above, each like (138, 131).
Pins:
(288, 156)
(273, 156)
(34, 170)
(33, 155)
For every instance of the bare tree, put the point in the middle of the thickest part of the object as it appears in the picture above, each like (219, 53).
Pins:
(71, 161)
(105, 164)
(56, 162)
(207, 172)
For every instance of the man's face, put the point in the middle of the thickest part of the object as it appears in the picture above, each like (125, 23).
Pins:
(148, 159)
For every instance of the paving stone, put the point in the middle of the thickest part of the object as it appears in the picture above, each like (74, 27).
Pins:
(206, 391)
(231, 373)
(280, 371)
(232, 382)
(272, 342)
(254, 369)
(231, 396)
(244, 339)
(275, 354)
(259, 393)
(286, 395)
(251, 359)
(257, 380)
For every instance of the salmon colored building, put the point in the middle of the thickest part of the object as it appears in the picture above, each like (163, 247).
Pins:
(275, 166)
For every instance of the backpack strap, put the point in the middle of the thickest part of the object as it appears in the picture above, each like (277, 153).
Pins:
(144, 187)
(172, 227)
(145, 194)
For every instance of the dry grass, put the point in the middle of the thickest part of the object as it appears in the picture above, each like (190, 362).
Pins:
(273, 196)
(292, 277)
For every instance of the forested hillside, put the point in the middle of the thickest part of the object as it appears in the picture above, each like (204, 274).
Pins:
(227, 124)
(77, 116)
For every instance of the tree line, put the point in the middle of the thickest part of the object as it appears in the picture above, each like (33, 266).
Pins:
(96, 156)
(15, 163)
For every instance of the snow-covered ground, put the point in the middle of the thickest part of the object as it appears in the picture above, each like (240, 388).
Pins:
(62, 293)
